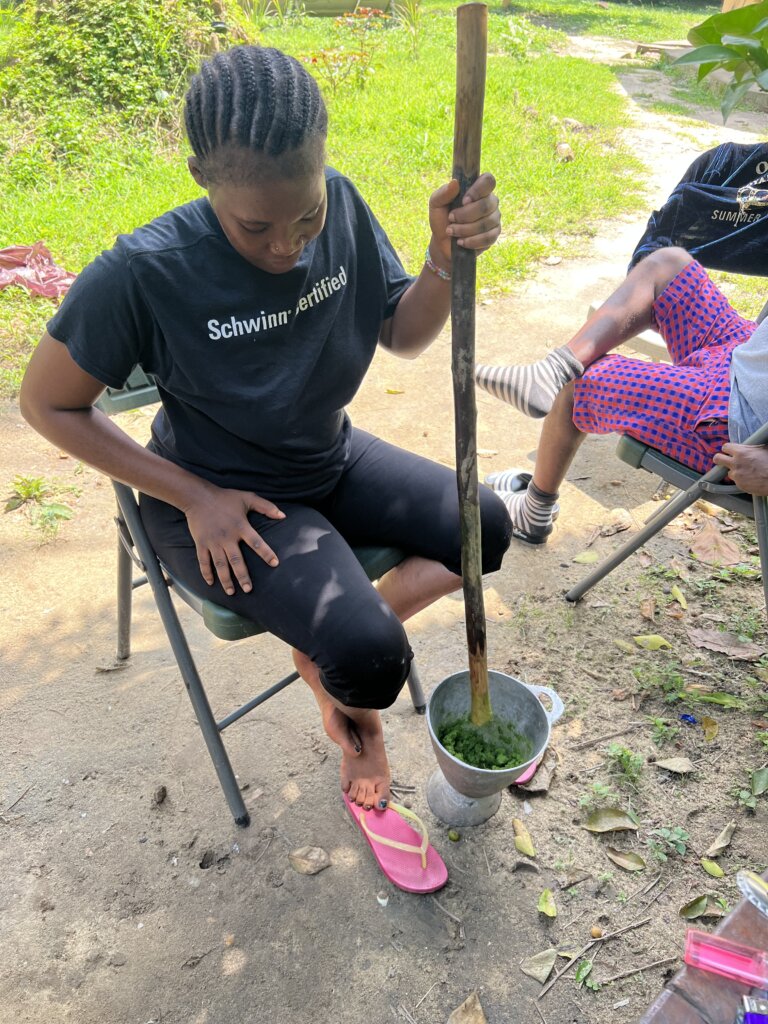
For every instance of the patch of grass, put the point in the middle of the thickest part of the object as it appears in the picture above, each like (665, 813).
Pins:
(37, 497)
(644, 22)
(626, 766)
(668, 841)
(663, 731)
(75, 181)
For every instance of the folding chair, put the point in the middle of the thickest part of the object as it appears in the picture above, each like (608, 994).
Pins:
(135, 549)
(692, 487)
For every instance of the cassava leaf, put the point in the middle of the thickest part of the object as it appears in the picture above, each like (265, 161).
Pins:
(586, 557)
(759, 781)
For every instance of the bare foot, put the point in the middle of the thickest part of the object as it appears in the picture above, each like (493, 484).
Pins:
(364, 766)
(338, 727)
(365, 778)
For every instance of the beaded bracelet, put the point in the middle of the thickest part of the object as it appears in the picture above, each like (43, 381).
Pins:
(444, 275)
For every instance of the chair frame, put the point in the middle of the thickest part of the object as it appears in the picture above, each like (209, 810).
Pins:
(135, 551)
(692, 487)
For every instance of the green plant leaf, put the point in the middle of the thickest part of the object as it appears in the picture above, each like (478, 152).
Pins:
(677, 595)
(625, 859)
(586, 557)
(712, 868)
(711, 52)
(546, 904)
(651, 642)
(694, 908)
(14, 502)
(583, 971)
(759, 781)
(609, 819)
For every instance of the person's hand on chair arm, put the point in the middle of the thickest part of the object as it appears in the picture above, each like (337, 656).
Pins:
(747, 466)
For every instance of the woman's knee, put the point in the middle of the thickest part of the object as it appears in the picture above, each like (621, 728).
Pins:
(665, 265)
(368, 665)
(495, 528)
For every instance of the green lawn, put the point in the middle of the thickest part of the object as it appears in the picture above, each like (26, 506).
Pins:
(76, 184)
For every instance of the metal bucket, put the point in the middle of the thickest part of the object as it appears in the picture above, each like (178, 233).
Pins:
(476, 792)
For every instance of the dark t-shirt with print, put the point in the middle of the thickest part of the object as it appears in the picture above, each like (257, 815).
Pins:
(254, 369)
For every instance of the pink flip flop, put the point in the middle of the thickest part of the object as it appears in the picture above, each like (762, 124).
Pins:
(528, 773)
(404, 854)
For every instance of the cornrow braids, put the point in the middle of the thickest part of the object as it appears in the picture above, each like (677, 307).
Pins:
(255, 99)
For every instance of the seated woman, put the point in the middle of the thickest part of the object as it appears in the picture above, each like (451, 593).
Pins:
(258, 310)
(714, 395)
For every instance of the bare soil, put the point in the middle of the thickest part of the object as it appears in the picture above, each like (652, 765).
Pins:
(116, 909)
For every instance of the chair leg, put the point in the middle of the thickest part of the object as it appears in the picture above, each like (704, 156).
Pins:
(760, 505)
(417, 693)
(655, 525)
(183, 656)
(124, 600)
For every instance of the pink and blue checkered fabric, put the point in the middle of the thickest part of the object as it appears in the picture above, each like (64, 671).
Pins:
(682, 410)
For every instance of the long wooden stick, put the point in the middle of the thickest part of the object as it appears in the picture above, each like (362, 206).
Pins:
(471, 49)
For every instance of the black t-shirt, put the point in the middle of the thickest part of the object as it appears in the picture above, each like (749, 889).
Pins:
(254, 369)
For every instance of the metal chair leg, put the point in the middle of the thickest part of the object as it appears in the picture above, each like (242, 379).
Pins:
(124, 600)
(184, 658)
(760, 505)
(417, 693)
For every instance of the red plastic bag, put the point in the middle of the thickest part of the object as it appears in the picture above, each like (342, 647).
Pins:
(32, 267)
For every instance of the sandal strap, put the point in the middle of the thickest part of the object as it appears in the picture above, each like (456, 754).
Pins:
(404, 812)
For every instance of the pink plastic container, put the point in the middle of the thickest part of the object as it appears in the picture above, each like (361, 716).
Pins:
(728, 959)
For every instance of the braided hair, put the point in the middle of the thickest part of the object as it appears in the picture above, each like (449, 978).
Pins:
(250, 103)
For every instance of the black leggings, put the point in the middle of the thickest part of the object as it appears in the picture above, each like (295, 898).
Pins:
(318, 599)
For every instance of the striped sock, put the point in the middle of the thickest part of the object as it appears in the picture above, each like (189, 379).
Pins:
(532, 389)
(532, 513)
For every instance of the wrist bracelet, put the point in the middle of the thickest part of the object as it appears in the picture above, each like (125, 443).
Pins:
(444, 275)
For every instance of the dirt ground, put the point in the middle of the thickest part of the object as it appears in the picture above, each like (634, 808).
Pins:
(115, 909)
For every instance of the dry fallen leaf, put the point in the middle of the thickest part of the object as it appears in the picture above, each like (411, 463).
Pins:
(586, 557)
(648, 608)
(546, 904)
(710, 727)
(470, 1012)
(539, 966)
(625, 859)
(609, 819)
(677, 595)
(710, 546)
(726, 643)
(711, 868)
(677, 765)
(651, 642)
(523, 841)
(722, 842)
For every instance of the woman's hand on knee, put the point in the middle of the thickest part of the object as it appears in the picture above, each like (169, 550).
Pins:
(218, 522)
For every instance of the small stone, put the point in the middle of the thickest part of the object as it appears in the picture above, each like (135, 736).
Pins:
(309, 860)
(563, 152)
(159, 796)
(453, 835)
(382, 898)
(596, 931)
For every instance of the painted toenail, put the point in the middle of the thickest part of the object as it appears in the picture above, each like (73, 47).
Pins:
(366, 807)
(358, 748)
(383, 804)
